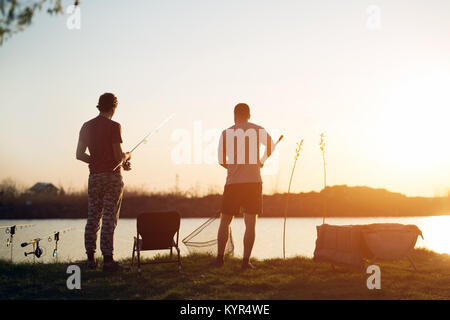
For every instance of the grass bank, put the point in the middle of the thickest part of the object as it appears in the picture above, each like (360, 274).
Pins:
(294, 278)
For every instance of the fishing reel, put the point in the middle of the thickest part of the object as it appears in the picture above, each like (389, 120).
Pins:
(126, 165)
(37, 250)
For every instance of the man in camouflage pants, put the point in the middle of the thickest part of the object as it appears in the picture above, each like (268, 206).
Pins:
(104, 199)
(103, 138)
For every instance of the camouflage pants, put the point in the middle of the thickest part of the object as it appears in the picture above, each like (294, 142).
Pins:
(105, 192)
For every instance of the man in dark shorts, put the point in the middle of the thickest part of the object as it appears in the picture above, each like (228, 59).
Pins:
(239, 154)
(103, 138)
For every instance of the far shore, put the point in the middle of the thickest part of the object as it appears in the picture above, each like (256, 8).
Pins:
(334, 201)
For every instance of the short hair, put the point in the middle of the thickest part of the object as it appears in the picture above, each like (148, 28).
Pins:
(242, 110)
(107, 102)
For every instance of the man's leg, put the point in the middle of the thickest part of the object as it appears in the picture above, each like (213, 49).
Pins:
(95, 208)
(111, 210)
(249, 237)
(253, 207)
(230, 207)
(223, 235)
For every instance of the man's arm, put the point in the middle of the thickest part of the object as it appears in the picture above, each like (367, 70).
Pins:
(222, 155)
(81, 152)
(119, 155)
(270, 145)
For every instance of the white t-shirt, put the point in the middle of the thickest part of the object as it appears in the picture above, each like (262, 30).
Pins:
(239, 149)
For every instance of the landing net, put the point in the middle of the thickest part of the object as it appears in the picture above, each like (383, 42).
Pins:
(204, 238)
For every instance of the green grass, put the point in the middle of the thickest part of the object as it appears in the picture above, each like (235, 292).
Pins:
(294, 278)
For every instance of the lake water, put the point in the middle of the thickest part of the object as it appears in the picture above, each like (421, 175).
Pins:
(300, 236)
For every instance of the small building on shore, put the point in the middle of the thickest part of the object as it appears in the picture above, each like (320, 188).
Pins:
(44, 188)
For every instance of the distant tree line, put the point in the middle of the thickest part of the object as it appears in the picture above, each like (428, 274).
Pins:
(335, 201)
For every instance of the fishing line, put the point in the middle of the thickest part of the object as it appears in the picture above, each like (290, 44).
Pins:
(144, 140)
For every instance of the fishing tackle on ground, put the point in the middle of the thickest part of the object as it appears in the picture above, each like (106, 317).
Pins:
(38, 250)
(11, 230)
(126, 165)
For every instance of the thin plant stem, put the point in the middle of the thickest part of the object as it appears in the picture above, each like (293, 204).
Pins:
(297, 154)
(322, 149)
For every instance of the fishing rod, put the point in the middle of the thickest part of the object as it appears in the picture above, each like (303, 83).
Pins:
(126, 164)
(11, 230)
(37, 250)
(265, 156)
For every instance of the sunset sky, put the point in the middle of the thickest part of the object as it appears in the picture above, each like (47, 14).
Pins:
(380, 94)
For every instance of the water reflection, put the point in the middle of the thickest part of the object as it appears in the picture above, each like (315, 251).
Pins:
(300, 236)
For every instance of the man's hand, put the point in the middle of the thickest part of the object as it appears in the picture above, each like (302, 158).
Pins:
(126, 166)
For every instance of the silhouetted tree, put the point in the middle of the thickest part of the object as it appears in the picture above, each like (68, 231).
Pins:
(16, 15)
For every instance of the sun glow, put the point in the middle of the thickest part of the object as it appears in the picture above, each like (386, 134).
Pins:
(413, 127)
(436, 236)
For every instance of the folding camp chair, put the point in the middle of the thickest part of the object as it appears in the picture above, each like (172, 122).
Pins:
(156, 231)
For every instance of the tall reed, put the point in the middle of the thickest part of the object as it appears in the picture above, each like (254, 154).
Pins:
(322, 149)
(297, 155)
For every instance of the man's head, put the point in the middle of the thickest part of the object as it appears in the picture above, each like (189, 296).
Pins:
(241, 112)
(107, 104)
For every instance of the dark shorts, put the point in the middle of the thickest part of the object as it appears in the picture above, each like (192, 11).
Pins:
(245, 195)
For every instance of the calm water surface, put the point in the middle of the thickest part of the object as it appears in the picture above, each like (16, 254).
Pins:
(300, 236)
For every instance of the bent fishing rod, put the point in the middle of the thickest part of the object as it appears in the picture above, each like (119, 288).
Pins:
(126, 164)
(11, 230)
(37, 250)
